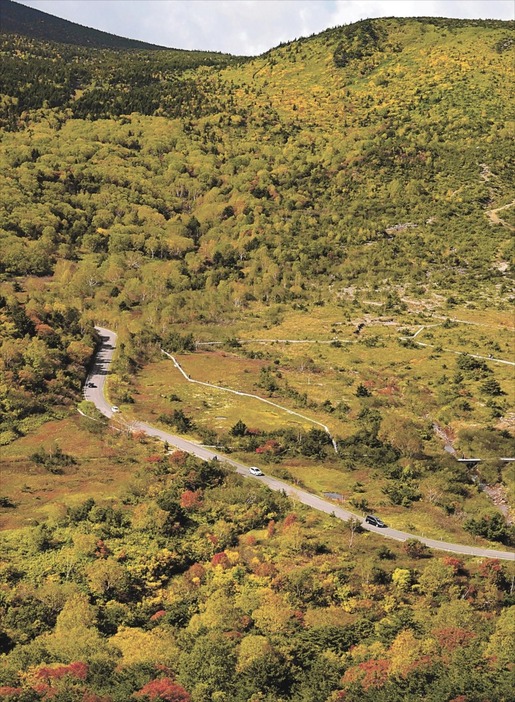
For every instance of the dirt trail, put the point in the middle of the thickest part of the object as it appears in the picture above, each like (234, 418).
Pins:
(447, 438)
(499, 496)
(254, 397)
(486, 175)
(495, 219)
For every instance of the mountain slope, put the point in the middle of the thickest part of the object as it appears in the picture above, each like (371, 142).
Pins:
(364, 162)
(356, 154)
(16, 18)
(52, 62)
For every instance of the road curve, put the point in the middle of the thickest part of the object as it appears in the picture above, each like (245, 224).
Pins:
(94, 386)
(94, 392)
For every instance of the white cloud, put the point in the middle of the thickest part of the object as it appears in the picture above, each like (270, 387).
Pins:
(249, 27)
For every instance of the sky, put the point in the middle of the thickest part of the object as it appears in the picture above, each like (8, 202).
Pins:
(249, 27)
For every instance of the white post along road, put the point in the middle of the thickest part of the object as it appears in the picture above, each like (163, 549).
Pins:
(94, 392)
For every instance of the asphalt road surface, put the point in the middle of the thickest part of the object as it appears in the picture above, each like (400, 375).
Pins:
(94, 392)
(94, 387)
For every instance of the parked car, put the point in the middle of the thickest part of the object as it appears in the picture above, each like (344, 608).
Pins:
(375, 521)
(91, 385)
(255, 471)
(114, 408)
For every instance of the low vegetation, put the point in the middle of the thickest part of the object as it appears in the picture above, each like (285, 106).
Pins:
(381, 402)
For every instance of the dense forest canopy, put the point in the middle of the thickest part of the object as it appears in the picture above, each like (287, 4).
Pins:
(195, 586)
(181, 197)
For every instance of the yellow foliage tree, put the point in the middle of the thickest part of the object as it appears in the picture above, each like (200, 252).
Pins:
(251, 649)
(501, 647)
(75, 637)
(138, 646)
(407, 651)
(401, 577)
(274, 614)
(219, 612)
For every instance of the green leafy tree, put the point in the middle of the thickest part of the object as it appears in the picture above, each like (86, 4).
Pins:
(209, 668)
(239, 429)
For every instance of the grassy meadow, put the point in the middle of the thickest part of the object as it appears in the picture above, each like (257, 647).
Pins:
(408, 385)
(94, 468)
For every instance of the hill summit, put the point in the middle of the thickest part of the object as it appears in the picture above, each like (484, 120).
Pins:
(20, 19)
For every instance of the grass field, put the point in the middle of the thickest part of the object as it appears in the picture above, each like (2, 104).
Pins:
(404, 380)
(104, 466)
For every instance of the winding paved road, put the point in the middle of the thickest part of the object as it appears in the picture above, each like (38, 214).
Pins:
(94, 387)
(94, 392)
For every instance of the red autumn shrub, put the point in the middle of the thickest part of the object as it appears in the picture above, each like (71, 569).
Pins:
(191, 499)
(178, 458)
(220, 559)
(289, 520)
(271, 447)
(76, 670)
(163, 689)
(452, 637)
(197, 570)
(455, 563)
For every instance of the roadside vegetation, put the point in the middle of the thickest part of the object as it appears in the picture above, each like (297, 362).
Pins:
(153, 575)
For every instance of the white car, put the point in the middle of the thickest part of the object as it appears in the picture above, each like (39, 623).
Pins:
(255, 471)
(114, 408)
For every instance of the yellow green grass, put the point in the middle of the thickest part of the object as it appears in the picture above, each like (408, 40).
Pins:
(212, 407)
(400, 379)
(98, 472)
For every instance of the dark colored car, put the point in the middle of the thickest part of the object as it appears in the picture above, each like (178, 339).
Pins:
(375, 521)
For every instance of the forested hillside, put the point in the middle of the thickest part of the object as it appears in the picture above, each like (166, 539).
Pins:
(356, 170)
(368, 157)
(328, 227)
(192, 585)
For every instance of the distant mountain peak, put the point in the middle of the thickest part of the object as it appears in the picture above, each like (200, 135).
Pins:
(21, 19)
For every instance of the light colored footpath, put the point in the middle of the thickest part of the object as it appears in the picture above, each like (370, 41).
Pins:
(94, 392)
(247, 394)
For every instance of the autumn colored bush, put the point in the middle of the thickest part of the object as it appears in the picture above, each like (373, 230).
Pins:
(163, 689)
(191, 499)
(220, 559)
